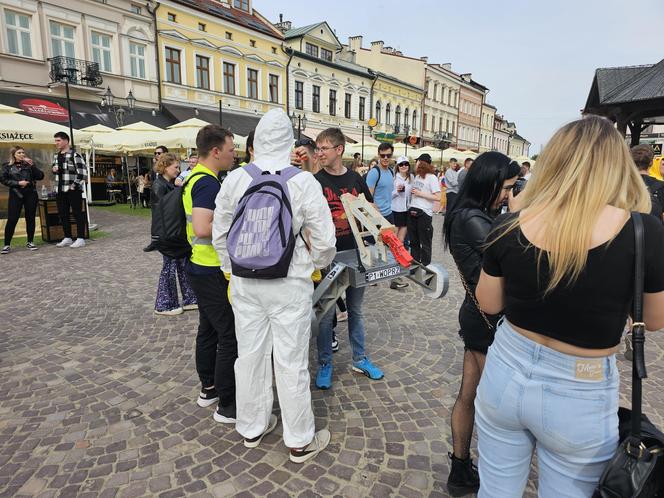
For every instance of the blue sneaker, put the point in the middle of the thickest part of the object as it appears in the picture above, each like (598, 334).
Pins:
(324, 376)
(367, 368)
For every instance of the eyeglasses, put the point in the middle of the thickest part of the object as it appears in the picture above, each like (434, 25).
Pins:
(404, 165)
(325, 148)
(385, 156)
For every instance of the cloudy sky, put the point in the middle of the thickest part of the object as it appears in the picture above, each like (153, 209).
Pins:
(537, 57)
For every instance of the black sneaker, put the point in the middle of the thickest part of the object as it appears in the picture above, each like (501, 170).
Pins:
(225, 414)
(5, 250)
(335, 343)
(464, 477)
(207, 397)
(31, 246)
(152, 246)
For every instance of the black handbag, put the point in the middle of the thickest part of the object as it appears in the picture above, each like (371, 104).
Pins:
(637, 468)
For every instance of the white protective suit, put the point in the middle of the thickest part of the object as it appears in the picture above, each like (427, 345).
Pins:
(272, 317)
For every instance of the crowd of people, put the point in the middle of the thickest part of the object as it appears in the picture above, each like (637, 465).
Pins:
(546, 260)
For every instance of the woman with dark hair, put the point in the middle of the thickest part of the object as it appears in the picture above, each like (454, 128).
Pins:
(20, 174)
(486, 187)
(249, 150)
(424, 194)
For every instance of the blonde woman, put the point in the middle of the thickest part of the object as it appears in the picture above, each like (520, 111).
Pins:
(20, 174)
(167, 302)
(562, 270)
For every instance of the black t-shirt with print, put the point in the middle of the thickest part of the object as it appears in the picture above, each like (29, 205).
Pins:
(334, 186)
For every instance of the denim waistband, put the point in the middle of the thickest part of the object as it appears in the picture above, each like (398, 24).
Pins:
(515, 348)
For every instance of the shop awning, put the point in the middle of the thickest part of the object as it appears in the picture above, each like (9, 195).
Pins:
(18, 129)
(237, 123)
(84, 113)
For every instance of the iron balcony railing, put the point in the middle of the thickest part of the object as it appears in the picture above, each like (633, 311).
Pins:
(75, 71)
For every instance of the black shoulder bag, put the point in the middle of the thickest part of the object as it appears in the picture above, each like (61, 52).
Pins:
(637, 468)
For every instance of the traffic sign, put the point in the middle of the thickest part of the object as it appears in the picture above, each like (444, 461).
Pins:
(412, 140)
(372, 122)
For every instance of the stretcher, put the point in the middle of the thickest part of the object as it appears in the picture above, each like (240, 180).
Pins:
(379, 257)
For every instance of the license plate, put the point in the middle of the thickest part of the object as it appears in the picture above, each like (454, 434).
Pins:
(392, 271)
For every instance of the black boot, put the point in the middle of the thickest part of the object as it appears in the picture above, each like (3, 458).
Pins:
(464, 478)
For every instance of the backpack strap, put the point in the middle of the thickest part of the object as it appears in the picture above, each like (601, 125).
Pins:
(254, 171)
(289, 172)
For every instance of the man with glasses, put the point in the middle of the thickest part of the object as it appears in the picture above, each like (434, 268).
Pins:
(158, 151)
(380, 181)
(336, 180)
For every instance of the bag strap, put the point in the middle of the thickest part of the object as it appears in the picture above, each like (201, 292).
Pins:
(638, 327)
(472, 296)
(254, 171)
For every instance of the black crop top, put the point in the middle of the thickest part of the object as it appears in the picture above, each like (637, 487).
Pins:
(592, 312)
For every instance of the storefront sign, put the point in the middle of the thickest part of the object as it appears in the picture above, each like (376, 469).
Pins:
(44, 109)
(15, 135)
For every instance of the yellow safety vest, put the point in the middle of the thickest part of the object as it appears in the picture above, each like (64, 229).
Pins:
(202, 250)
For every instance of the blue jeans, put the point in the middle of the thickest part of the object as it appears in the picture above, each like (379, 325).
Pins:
(565, 407)
(354, 300)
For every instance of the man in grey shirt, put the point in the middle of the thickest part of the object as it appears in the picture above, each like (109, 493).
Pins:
(452, 183)
(462, 174)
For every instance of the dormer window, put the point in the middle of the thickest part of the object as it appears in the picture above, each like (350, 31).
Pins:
(241, 4)
(325, 54)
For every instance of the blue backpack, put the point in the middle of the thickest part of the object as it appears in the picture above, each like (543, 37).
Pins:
(260, 240)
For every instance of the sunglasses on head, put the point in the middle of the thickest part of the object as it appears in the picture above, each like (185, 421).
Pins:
(305, 142)
(385, 156)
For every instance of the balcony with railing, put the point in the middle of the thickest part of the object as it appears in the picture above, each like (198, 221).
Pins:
(75, 71)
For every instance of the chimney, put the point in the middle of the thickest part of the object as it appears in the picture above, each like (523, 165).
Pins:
(447, 66)
(424, 59)
(387, 50)
(355, 43)
(377, 46)
(282, 25)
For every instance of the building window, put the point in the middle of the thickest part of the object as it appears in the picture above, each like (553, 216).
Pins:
(312, 49)
(447, 128)
(18, 33)
(425, 121)
(137, 60)
(397, 118)
(440, 124)
(252, 83)
(229, 78)
(229, 35)
(361, 113)
(136, 9)
(435, 91)
(378, 111)
(333, 102)
(173, 65)
(101, 51)
(242, 5)
(299, 95)
(315, 101)
(201, 26)
(326, 54)
(388, 113)
(274, 50)
(414, 127)
(203, 72)
(252, 43)
(433, 123)
(171, 17)
(274, 88)
(62, 40)
(347, 103)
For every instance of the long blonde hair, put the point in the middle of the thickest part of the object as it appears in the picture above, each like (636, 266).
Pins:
(585, 166)
(12, 152)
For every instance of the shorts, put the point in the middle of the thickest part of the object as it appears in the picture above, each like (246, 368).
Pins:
(474, 331)
(400, 218)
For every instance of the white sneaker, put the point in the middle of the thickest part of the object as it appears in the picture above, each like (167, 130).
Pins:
(319, 443)
(190, 307)
(79, 242)
(176, 311)
(65, 242)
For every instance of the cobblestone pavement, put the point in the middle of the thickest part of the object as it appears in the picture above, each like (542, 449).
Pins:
(97, 394)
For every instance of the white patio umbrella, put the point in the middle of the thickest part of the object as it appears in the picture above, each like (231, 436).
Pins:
(18, 129)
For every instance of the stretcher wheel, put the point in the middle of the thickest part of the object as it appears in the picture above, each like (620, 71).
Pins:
(440, 283)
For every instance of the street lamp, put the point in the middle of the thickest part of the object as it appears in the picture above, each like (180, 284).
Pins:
(108, 101)
(301, 121)
(406, 129)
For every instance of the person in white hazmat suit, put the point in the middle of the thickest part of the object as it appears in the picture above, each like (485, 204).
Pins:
(272, 317)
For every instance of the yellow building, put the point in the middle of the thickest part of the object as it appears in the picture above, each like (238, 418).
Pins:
(219, 55)
(486, 127)
(397, 108)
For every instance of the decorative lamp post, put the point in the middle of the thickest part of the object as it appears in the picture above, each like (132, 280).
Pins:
(406, 130)
(299, 122)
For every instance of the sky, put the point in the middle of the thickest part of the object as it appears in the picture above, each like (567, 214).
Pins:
(537, 57)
